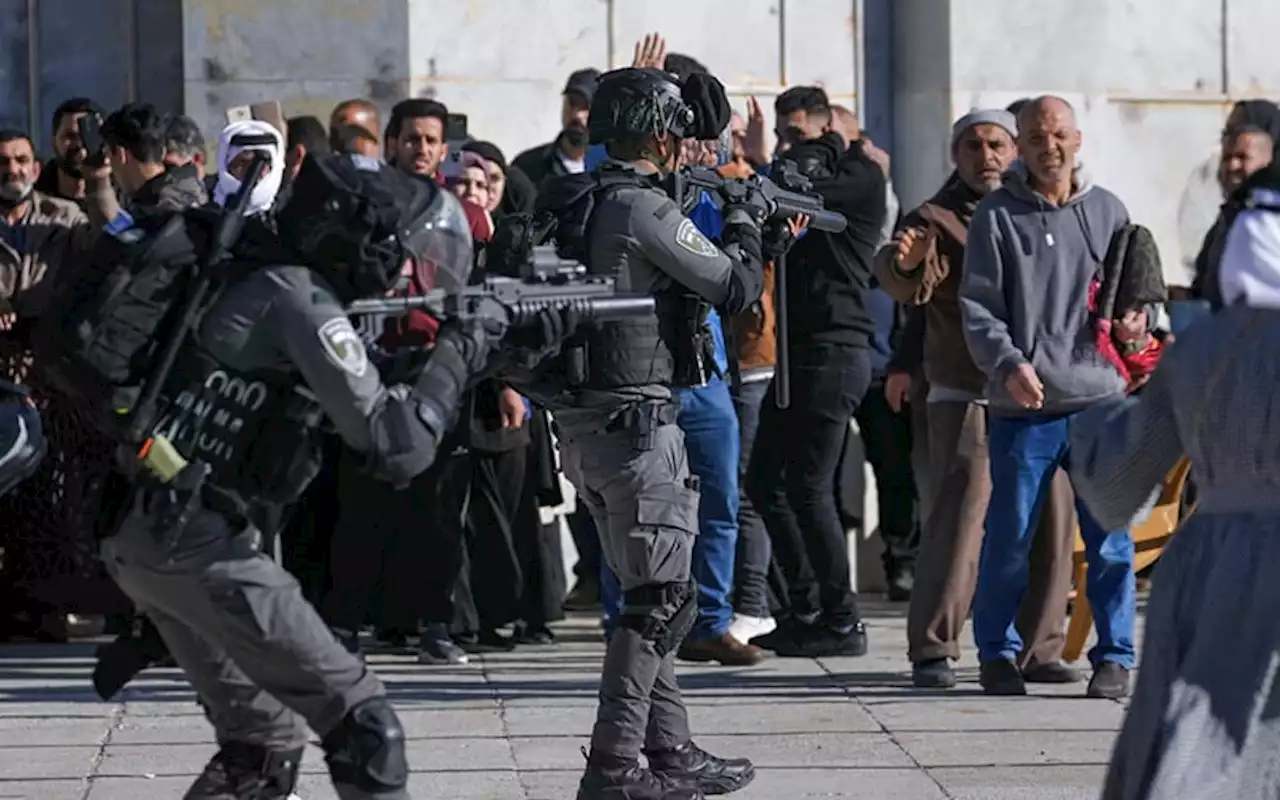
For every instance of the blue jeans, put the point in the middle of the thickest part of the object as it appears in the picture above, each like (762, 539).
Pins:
(1025, 453)
(710, 427)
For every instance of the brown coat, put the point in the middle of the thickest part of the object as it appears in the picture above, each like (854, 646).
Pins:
(56, 232)
(935, 284)
(753, 333)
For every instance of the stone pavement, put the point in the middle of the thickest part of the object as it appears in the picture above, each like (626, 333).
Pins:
(510, 728)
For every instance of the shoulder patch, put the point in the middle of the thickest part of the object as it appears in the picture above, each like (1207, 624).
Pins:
(690, 238)
(342, 345)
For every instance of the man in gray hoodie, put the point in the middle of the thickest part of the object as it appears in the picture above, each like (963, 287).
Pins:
(1035, 249)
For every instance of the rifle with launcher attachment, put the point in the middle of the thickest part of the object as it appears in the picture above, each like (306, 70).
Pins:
(791, 196)
(549, 282)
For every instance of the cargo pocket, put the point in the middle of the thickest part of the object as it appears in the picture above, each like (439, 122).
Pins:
(254, 596)
(659, 546)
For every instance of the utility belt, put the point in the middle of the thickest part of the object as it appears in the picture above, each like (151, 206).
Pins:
(640, 421)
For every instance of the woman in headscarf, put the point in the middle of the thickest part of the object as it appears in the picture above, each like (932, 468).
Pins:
(1203, 720)
(510, 190)
(236, 146)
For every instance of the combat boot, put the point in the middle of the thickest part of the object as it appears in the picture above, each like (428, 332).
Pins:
(691, 764)
(613, 778)
(241, 771)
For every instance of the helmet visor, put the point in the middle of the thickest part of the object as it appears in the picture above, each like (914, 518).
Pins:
(439, 240)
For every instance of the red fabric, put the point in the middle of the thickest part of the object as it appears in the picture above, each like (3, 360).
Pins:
(1102, 334)
(1132, 366)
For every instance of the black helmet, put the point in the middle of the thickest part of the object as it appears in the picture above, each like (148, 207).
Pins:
(638, 103)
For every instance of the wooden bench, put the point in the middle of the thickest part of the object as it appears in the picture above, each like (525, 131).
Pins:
(1149, 540)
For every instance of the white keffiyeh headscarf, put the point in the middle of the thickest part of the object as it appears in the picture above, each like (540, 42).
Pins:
(1250, 271)
(264, 192)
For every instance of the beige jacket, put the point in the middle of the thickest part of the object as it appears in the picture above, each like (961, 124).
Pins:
(55, 233)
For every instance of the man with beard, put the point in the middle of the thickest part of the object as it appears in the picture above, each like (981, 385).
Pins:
(38, 233)
(61, 176)
(568, 152)
(922, 267)
(1247, 147)
(1030, 266)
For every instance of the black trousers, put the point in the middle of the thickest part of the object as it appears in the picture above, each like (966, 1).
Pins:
(791, 478)
(406, 545)
(887, 440)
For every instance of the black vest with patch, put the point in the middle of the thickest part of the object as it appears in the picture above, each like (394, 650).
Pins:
(623, 353)
(257, 432)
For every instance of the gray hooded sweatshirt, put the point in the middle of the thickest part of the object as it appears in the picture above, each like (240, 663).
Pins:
(1025, 291)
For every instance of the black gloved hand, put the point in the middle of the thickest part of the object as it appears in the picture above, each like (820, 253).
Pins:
(544, 336)
(776, 240)
(474, 337)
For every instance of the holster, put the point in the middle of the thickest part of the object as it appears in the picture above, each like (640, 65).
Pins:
(643, 422)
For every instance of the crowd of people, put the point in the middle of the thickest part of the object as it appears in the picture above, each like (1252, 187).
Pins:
(935, 329)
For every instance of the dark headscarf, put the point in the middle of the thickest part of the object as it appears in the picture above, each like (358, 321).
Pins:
(520, 192)
(1261, 114)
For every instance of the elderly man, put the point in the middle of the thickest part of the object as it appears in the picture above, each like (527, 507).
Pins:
(1033, 252)
(922, 267)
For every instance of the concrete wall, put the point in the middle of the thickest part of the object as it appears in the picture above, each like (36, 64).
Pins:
(1151, 81)
(503, 62)
(51, 50)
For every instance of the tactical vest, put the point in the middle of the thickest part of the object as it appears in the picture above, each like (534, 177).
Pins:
(256, 431)
(633, 352)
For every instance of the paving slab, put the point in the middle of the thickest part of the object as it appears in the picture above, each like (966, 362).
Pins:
(511, 726)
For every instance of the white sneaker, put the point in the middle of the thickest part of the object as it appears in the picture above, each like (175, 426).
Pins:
(744, 628)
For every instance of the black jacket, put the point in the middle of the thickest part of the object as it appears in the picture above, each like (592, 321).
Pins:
(541, 162)
(829, 274)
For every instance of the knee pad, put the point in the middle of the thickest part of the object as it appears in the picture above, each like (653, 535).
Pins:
(366, 750)
(662, 613)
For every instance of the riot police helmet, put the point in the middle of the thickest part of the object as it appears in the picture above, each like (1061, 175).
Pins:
(632, 104)
(436, 236)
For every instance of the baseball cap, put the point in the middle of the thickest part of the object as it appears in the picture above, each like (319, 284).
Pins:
(583, 82)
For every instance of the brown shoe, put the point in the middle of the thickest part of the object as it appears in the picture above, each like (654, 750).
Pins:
(726, 650)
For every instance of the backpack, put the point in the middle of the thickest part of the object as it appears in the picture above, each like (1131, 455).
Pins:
(100, 341)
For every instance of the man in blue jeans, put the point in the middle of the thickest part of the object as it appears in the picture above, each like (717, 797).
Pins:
(1034, 251)
(710, 426)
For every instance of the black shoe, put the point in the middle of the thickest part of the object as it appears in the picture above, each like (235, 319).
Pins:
(436, 647)
(486, 641)
(1053, 672)
(612, 778)
(826, 641)
(1001, 677)
(691, 764)
(247, 772)
(120, 660)
(537, 635)
(789, 630)
(391, 639)
(1110, 681)
(935, 673)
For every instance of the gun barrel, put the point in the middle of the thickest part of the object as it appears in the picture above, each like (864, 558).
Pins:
(593, 309)
(820, 219)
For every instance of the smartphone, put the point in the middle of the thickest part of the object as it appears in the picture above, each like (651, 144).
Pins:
(455, 129)
(90, 130)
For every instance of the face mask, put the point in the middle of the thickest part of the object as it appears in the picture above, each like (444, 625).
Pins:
(11, 195)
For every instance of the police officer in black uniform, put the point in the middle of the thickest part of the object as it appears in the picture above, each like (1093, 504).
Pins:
(611, 397)
(273, 355)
